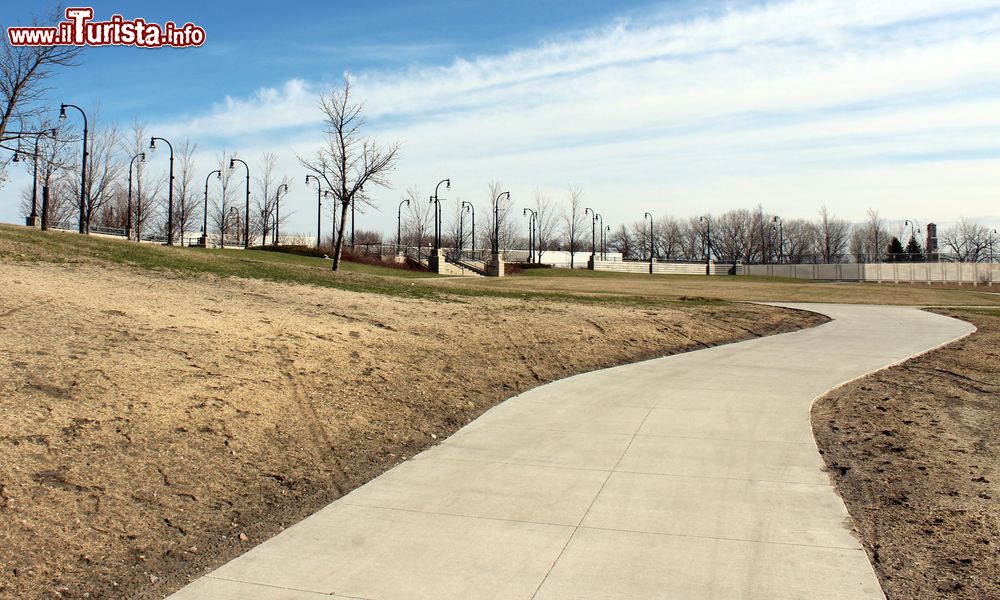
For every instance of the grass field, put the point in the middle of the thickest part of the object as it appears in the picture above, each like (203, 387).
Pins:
(21, 243)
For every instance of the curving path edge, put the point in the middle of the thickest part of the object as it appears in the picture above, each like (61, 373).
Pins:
(690, 476)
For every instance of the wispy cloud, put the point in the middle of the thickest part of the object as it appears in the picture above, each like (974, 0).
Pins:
(795, 104)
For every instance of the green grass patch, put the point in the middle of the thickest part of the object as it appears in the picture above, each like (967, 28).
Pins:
(23, 244)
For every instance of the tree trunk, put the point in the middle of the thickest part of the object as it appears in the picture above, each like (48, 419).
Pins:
(340, 236)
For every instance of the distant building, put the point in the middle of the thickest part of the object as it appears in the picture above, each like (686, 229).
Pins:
(931, 244)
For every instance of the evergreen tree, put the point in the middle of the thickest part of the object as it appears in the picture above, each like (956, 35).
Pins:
(895, 251)
(914, 252)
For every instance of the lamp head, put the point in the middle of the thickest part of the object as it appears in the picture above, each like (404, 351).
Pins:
(524, 212)
(407, 201)
(447, 184)
(15, 159)
(218, 174)
(62, 112)
(152, 143)
(232, 163)
(142, 157)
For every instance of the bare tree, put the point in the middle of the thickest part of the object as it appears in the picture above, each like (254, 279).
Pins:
(497, 212)
(349, 161)
(967, 241)
(267, 200)
(623, 240)
(419, 219)
(801, 241)
(547, 224)
(669, 238)
(833, 237)
(104, 168)
(221, 216)
(868, 239)
(23, 72)
(573, 219)
(187, 201)
(48, 166)
(733, 236)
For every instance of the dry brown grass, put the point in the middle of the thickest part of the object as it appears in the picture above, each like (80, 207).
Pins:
(150, 419)
(756, 289)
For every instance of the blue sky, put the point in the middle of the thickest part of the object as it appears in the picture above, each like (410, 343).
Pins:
(674, 107)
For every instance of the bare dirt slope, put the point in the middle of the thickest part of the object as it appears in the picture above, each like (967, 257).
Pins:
(915, 452)
(156, 425)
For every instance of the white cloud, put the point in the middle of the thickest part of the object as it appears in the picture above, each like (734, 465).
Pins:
(793, 105)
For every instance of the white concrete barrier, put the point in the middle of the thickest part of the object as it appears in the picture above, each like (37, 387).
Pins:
(961, 273)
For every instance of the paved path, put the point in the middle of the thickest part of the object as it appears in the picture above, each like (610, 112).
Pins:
(692, 476)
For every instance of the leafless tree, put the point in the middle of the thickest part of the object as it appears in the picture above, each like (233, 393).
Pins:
(623, 240)
(967, 241)
(348, 162)
(547, 225)
(23, 74)
(574, 223)
(801, 241)
(188, 203)
(669, 245)
(833, 237)
(221, 215)
(418, 219)
(869, 240)
(104, 167)
(54, 155)
(732, 235)
(502, 209)
(266, 201)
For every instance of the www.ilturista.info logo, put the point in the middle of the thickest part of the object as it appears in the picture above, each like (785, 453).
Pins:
(79, 29)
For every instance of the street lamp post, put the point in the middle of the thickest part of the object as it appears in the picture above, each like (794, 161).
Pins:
(601, 218)
(399, 224)
(319, 207)
(781, 238)
(246, 223)
(204, 215)
(170, 190)
(708, 240)
(83, 165)
(650, 240)
(593, 233)
(277, 212)
(437, 212)
(128, 222)
(472, 208)
(532, 220)
(496, 223)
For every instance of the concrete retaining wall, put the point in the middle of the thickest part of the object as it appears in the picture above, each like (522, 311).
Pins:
(665, 268)
(973, 273)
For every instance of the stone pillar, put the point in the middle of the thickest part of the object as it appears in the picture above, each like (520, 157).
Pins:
(590, 262)
(495, 267)
(34, 221)
(435, 260)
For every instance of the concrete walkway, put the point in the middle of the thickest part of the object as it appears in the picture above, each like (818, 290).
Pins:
(692, 476)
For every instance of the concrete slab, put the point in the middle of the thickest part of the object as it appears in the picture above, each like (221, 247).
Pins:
(691, 476)
(378, 553)
(736, 509)
(624, 565)
(516, 492)
(731, 459)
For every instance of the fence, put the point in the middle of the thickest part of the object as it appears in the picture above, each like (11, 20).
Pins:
(669, 267)
(896, 272)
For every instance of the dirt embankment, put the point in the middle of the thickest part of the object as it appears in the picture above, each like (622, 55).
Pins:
(156, 426)
(915, 452)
